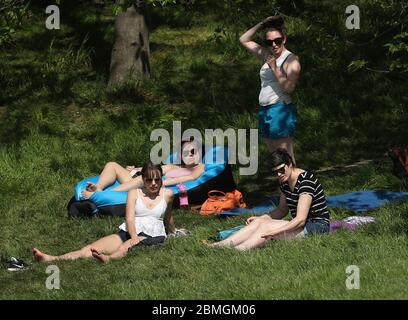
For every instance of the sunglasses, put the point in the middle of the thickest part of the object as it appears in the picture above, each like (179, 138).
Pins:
(277, 41)
(188, 152)
(280, 170)
(156, 180)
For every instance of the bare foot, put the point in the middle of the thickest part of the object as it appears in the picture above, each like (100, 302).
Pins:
(100, 256)
(90, 189)
(208, 244)
(93, 187)
(86, 194)
(42, 257)
(218, 244)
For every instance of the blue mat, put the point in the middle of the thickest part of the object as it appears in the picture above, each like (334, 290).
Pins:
(360, 201)
(267, 206)
(364, 200)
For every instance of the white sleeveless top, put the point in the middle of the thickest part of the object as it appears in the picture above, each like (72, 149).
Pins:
(149, 221)
(271, 90)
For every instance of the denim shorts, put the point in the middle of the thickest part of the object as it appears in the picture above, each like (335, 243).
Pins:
(316, 226)
(277, 120)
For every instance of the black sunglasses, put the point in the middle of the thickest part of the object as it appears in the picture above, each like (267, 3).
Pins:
(188, 152)
(150, 180)
(278, 41)
(281, 170)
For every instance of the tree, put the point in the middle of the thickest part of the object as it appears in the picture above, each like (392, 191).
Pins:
(130, 53)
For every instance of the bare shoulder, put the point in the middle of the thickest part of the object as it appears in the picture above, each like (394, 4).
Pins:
(133, 193)
(292, 59)
(200, 167)
(132, 196)
(168, 193)
(292, 66)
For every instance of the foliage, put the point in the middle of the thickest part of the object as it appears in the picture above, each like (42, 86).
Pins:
(12, 15)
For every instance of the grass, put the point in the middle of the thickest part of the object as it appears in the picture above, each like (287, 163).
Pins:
(58, 125)
(183, 268)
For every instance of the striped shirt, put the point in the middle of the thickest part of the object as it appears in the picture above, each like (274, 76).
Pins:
(307, 183)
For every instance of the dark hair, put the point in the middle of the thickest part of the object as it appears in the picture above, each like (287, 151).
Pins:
(189, 140)
(276, 23)
(151, 170)
(280, 156)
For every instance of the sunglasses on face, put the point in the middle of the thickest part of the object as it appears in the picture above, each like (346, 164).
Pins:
(277, 41)
(188, 152)
(150, 180)
(280, 170)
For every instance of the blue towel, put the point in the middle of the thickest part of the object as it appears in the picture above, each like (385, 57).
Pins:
(360, 201)
(267, 206)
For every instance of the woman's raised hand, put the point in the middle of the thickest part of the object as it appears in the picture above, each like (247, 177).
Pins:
(271, 61)
(266, 20)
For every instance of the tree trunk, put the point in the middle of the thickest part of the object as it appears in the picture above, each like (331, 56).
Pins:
(130, 53)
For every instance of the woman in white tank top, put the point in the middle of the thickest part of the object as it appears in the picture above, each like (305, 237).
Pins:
(279, 75)
(148, 217)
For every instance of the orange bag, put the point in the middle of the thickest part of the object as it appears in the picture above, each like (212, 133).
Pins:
(222, 202)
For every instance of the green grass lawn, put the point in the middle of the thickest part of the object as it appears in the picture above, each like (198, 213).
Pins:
(312, 268)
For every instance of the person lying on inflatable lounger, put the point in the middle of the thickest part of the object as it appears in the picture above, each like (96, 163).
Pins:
(301, 194)
(148, 217)
(190, 169)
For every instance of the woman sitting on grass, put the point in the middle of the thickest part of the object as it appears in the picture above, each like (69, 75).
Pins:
(301, 194)
(146, 208)
(190, 169)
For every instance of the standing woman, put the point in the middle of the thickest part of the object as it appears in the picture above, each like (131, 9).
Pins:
(279, 75)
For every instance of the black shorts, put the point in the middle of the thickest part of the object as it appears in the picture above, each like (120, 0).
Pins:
(149, 241)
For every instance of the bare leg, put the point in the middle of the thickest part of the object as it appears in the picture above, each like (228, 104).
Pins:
(118, 254)
(243, 234)
(256, 240)
(99, 255)
(285, 143)
(238, 237)
(112, 172)
(107, 244)
(294, 234)
(134, 183)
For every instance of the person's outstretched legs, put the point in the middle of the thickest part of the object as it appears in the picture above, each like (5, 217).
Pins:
(240, 236)
(118, 254)
(256, 240)
(107, 244)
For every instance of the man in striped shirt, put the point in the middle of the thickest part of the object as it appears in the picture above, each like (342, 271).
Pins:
(301, 194)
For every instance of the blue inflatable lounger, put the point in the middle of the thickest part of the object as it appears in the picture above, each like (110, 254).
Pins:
(216, 175)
